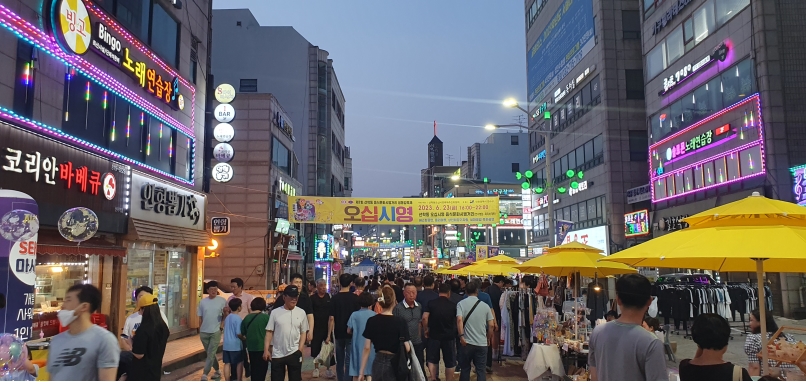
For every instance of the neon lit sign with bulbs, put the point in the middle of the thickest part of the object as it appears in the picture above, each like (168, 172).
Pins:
(726, 147)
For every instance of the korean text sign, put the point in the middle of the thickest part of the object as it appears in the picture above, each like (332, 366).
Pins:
(165, 203)
(17, 266)
(393, 211)
(562, 44)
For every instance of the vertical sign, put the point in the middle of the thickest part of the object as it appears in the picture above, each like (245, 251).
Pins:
(562, 228)
(17, 262)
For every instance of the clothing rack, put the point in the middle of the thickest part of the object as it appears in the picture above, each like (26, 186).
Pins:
(683, 302)
(520, 303)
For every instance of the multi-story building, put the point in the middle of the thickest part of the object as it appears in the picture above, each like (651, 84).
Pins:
(724, 85)
(498, 158)
(585, 85)
(280, 61)
(102, 105)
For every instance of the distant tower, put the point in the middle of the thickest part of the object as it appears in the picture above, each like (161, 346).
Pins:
(435, 150)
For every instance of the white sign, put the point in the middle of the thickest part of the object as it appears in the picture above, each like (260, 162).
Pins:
(639, 194)
(293, 240)
(224, 113)
(76, 27)
(223, 172)
(225, 93)
(595, 237)
(164, 203)
(223, 152)
(560, 93)
(581, 187)
(543, 201)
(110, 186)
(224, 132)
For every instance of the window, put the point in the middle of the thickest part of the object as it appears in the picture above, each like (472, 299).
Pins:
(281, 156)
(513, 140)
(194, 58)
(634, 83)
(165, 35)
(248, 85)
(638, 146)
(347, 183)
(674, 45)
(631, 25)
(726, 9)
(656, 60)
(135, 15)
(703, 22)
(516, 167)
(688, 32)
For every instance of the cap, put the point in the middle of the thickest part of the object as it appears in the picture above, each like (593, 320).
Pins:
(146, 299)
(291, 291)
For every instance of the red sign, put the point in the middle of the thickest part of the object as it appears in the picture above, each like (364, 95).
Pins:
(722, 130)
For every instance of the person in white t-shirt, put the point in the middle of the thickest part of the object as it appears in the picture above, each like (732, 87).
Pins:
(134, 320)
(237, 292)
(285, 337)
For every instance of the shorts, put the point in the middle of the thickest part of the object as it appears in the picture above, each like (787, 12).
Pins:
(233, 357)
(448, 348)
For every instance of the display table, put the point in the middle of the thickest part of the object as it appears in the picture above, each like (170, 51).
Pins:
(543, 358)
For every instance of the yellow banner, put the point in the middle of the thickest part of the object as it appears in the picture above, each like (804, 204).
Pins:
(393, 211)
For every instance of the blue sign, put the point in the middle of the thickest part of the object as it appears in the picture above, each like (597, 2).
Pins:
(19, 226)
(567, 38)
(322, 250)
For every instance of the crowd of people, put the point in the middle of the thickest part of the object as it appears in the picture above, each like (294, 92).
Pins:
(370, 326)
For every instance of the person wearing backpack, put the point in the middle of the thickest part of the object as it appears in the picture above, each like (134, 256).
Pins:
(475, 328)
(253, 330)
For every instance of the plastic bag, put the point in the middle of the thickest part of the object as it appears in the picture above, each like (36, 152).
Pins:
(325, 354)
(416, 372)
(653, 308)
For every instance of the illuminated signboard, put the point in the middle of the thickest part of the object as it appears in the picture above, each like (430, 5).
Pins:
(799, 184)
(322, 250)
(723, 148)
(636, 223)
(560, 93)
(540, 156)
(687, 71)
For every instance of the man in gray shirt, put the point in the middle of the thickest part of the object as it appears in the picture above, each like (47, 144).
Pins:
(210, 312)
(85, 352)
(622, 350)
(475, 323)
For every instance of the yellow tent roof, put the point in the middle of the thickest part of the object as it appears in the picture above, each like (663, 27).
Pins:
(571, 258)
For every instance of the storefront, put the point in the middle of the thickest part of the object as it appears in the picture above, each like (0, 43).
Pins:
(164, 247)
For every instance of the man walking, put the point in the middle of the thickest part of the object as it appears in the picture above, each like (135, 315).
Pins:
(475, 328)
(342, 305)
(237, 292)
(622, 350)
(85, 352)
(320, 301)
(210, 312)
(285, 337)
(411, 312)
(495, 293)
(440, 322)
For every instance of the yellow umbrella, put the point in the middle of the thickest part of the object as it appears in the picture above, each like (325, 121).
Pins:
(443, 271)
(752, 234)
(503, 259)
(571, 258)
(492, 268)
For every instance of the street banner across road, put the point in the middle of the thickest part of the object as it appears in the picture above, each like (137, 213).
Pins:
(393, 211)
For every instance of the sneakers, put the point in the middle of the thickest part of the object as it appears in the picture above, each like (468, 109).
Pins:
(204, 377)
(489, 370)
(217, 376)
(329, 374)
(315, 373)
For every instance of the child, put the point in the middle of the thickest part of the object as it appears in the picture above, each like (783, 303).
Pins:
(233, 345)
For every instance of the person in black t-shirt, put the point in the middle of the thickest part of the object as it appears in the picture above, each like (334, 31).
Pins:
(711, 333)
(384, 331)
(320, 302)
(148, 344)
(342, 305)
(440, 323)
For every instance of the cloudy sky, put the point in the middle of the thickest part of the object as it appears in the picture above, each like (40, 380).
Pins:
(404, 64)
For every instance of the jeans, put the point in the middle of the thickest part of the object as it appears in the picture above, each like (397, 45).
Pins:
(343, 359)
(258, 365)
(210, 342)
(477, 355)
(382, 368)
(291, 362)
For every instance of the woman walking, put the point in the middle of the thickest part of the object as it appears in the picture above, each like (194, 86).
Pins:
(355, 327)
(385, 332)
(148, 343)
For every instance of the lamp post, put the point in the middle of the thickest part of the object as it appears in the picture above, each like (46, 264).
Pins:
(512, 103)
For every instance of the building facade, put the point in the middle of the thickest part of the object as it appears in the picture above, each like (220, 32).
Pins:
(102, 107)
(498, 158)
(585, 85)
(723, 81)
(280, 61)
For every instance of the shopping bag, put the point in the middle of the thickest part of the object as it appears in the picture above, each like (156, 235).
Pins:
(416, 373)
(325, 354)
(653, 308)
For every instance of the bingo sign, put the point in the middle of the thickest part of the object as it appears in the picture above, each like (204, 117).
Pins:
(19, 226)
(224, 133)
(636, 223)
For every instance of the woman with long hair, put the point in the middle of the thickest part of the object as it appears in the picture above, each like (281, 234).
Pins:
(148, 343)
(753, 343)
(385, 332)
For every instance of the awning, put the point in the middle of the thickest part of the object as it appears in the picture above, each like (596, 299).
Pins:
(166, 234)
(52, 243)
(294, 256)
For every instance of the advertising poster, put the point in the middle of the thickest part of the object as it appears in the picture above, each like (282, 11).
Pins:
(393, 211)
(562, 228)
(492, 251)
(481, 252)
(596, 237)
(18, 236)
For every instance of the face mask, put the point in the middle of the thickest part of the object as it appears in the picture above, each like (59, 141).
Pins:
(66, 317)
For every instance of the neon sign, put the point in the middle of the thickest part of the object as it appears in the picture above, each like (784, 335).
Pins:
(687, 71)
(799, 184)
(540, 156)
(636, 223)
(680, 168)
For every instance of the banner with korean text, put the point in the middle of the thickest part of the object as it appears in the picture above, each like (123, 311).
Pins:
(393, 211)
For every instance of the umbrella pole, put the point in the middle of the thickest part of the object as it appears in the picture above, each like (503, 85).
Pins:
(762, 309)
(576, 308)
